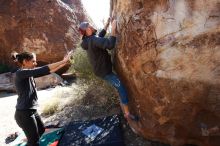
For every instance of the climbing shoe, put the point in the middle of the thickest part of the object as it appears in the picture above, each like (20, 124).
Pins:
(132, 117)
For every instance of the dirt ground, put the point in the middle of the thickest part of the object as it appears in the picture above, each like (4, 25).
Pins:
(77, 101)
(7, 109)
(98, 102)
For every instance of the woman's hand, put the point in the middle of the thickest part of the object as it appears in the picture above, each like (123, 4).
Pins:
(66, 59)
(57, 65)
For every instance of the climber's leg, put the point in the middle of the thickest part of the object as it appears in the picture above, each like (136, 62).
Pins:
(114, 81)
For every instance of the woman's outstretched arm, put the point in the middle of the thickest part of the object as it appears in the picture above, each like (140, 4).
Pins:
(44, 70)
(57, 65)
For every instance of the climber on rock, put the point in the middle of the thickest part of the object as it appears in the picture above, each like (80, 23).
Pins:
(96, 48)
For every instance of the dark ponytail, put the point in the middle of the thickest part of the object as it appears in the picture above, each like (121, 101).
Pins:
(20, 57)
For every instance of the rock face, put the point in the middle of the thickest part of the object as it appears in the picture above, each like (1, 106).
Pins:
(78, 9)
(168, 56)
(7, 81)
(46, 27)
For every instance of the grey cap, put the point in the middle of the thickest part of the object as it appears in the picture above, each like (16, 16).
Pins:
(82, 27)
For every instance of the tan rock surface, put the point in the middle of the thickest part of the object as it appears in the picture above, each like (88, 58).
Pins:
(7, 81)
(46, 27)
(168, 55)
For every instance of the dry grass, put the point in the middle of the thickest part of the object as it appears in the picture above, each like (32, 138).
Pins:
(63, 97)
(51, 107)
(87, 83)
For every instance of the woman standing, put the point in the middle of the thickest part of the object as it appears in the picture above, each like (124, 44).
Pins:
(26, 114)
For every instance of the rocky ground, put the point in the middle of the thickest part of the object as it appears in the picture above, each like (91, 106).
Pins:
(7, 109)
(79, 102)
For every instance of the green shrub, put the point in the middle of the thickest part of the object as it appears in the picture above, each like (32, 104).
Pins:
(3, 68)
(81, 65)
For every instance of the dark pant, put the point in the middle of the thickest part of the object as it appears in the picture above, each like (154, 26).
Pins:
(31, 124)
(114, 81)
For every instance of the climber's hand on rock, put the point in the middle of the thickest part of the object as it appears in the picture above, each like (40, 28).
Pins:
(114, 26)
(107, 23)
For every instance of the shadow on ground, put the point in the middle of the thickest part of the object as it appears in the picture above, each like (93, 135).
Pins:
(95, 103)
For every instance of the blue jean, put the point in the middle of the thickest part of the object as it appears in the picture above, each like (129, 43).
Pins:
(114, 81)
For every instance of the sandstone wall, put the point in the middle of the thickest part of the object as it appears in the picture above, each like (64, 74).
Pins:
(168, 55)
(46, 27)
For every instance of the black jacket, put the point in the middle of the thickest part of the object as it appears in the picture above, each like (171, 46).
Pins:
(96, 47)
(26, 88)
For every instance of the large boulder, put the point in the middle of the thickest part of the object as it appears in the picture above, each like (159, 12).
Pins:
(168, 56)
(46, 27)
(78, 9)
(7, 81)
